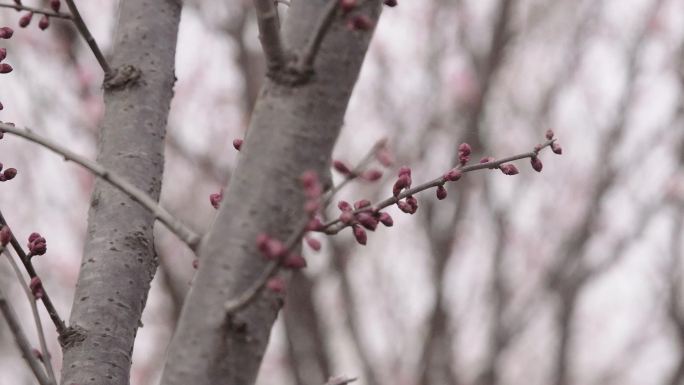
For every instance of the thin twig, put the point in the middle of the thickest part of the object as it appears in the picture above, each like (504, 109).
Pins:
(308, 55)
(36, 316)
(179, 229)
(269, 34)
(39, 11)
(85, 32)
(28, 265)
(340, 380)
(22, 342)
(355, 172)
(334, 226)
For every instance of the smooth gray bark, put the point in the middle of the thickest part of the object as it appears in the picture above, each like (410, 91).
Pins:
(119, 260)
(293, 129)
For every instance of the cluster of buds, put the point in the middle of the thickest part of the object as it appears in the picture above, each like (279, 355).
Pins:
(362, 216)
(36, 287)
(8, 174)
(44, 21)
(275, 250)
(5, 33)
(216, 198)
(37, 245)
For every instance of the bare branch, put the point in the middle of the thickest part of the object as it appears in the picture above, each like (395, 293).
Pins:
(179, 229)
(22, 342)
(85, 32)
(308, 55)
(269, 34)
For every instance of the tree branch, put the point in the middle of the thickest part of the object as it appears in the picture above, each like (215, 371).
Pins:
(178, 228)
(269, 34)
(85, 32)
(306, 59)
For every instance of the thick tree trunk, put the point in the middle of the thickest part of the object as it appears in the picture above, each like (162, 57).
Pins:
(293, 129)
(119, 259)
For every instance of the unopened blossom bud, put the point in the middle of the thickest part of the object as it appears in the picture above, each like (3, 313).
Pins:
(404, 170)
(386, 219)
(360, 234)
(361, 203)
(360, 23)
(195, 263)
(314, 224)
(309, 178)
(275, 249)
(33, 237)
(294, 261)
(25, 20)
(262, 242)
(313, 243)
(37, 245)
(384, 156)
(10, 173)
(347, 217)
(1, 108)
(403, 182)
(237, 144)
(556, 148)
(405, 207)
(44, 22)
(215, 199)
(390, 3)
(55, 4)
(371, 175)
(487, 159)
(464, 149)
(549, 134)
(441, 192)
(342, 168)
(311, 206)
(537, 148)
(413, 202)
(276, 284)
(347, 5)
(3, 53)
(536, 164)
(453, 175)
(5, 68)
(5, 236)
(36, 287)
(367, 220)
(344, 206)
(509, 169)
(6, 32)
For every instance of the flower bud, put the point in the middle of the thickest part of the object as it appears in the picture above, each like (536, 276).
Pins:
(487, 159)
(6, 32)
(509, 169)
(386, 219)
(360, 234)
(3, 53)
(367, 220)
(549, 134)
(556, 148)
(347, 5)
(441, 192)
(405, 207)
(237, 144)
(403, 182)
(464, 149)
(404, 170)
(361, 203)
(453, 175)
(274, 249)
(384, 156)
(342, 168)
(347, 217)
(44, 22)
(314, 225)
(390, 3)
(313, 243)
(10, 173)
(276, 284)
(215, 199)
(360, 23)
(344, 206)
(55, 4)
(36, 287)
(536, 164)
(294, 261)
(5, 68)
(25, 20)
(5, 236)
(371, 175)
(311, 206)
(262, 242)
(195, 263)
(413, 202)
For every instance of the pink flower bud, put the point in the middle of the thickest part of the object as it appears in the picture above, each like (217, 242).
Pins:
(413, 202)
(276, 284)
(5, 236)
(347, 5)
(384, 156)
(294, 261)
(309, 179)
(314, 225)
(262, 242)
(215, 199)
(549, 134)
(344, 206)
(195, 263)
(347, 217)
(386, 219)
(487, 159)
(464, 149)
(311, 206)
(536, 164)
(36, 287)
(361, 203)
(404, 170)
(372, 175)
(405, 207)
(3, 53)
(1, 108)
(403, 182)
(6, 32)
(342, 168)
(44, 22)
(537, 148)
(509, 169)
(55, 4)
(556, 148)
(5, 68)
(25, 20)
(441, 192)
(453, 175)
(360, 234)
(237, 144)
(391, 3)
(313, 243)
(367, 220)
(38, 246)
(275, 249)
(10, 173)
(360, 23)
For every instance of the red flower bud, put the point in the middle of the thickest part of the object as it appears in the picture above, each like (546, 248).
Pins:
(313, 243)
(384, 156)
(3, 53)
(195, 263)
(386, 219)
(453, 175)
(347, 5)
(275, 249)
(215, 199)
(55, 4)
(36, 287)
(441, 192)
(276, 284)
(391, 3)
(1, 108)
(25, 20)
(262, 242)
(6, 32)
(44, 22)
(309, 179)
(360, 234)
(487, 159)
(404, 181)
(294, 261)
(314, 225)
(509, 169)
(405, 207)
(413, 202)
(33, 237)
(464, 149)
(367, 220)
(360, 23)
(344, 206)
(372, 175)
(342, 168)
(346, 217)
(361, 203)
(556, 148)
(536, 164)
(10, 173)
(405, 170)
(311, 206)
(5, 236)
(237, 143)
(5, 68)
(549, 134)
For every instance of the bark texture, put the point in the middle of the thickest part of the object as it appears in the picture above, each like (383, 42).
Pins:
(293, 129)
(119, 260)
